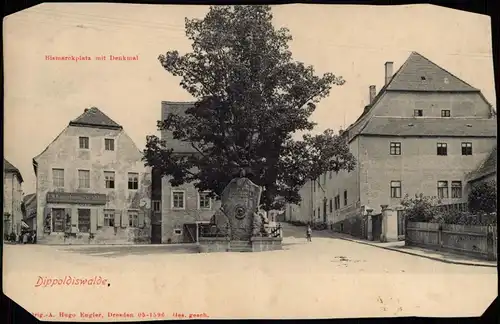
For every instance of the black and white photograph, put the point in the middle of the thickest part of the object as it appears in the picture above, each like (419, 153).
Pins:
(297, 161)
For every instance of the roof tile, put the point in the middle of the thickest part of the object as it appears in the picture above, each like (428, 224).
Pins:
(93, 117)
(396, 126)
(420, 74)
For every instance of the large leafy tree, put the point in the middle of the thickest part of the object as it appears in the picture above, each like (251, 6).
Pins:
(251, 99)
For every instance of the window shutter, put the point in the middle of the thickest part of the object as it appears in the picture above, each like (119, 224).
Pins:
(124, 220)
(100, 218)
(117, 218)
(93, 220)
(141, 218)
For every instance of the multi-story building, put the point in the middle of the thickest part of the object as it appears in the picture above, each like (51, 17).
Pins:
(12, 198)
(423, 133)
(182, 207)
(29, 212)
(92, 186)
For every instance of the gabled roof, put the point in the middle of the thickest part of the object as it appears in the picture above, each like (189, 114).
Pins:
(93, 117)
(449, 127)
(489, 166)
(420, 74)
(409, 78)
(9, 167)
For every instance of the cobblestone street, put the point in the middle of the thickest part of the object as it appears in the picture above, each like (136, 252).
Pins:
(326, 277)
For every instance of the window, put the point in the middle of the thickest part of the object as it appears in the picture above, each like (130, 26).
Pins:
(133, 219)
(204, 201)
(442, 149)
(58, 219)
(395, 148)
(395, 189)
(133, 181)
(84, 220)
(319, 212)
(337, 202)
(177, 231)
(109, 178)
(445, 113)
(58, 178)
(109, 218)
(442, 189)
(84, 142)
(156, 205)
(345, 197)
(418, 113)
(84, 179)
(456, 189)
(178, 200)
(466, 148)
(331, 205)
(109, 144)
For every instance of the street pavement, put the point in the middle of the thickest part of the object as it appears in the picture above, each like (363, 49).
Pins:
(328, 277)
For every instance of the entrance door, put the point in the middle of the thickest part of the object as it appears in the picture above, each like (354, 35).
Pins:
(376, 227)
(401, 226)
(190, 233)
(156, 234)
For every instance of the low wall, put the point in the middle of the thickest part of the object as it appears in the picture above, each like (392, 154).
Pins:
(352, 225)
(463, 239)
(260, 244)
(213, 244)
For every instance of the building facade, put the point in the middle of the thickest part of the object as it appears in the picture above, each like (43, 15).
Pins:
(29, 211)
(12, 198)
(182, 207)
(423, 133)
(92, 186)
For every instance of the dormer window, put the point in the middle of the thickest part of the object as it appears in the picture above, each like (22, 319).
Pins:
(422, 78)
(418, 113)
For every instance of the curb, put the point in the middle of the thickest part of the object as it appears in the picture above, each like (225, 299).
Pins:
(420, 255)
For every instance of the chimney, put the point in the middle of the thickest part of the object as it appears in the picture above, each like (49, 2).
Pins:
(85, 110)
(388, 72)
(373, 93)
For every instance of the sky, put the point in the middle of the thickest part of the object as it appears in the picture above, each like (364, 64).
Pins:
(354, 42)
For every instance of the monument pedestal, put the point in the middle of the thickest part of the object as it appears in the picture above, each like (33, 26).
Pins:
(244, 225)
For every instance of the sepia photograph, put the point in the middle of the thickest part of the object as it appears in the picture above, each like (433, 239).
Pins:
(248, 162)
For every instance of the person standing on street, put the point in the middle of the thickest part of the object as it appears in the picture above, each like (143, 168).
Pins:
(309, 233)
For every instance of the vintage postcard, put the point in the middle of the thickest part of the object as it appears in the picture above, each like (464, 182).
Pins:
(201, 162)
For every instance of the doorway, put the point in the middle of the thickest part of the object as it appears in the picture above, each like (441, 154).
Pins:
(155, 233)
(376, 226)
(190, 233)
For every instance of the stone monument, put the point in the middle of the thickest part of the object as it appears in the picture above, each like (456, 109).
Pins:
(240, 222)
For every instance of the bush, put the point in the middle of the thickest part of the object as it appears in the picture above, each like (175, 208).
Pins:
(483, 198)
(420, 208)
(467, 218)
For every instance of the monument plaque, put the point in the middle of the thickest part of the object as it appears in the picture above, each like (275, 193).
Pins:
(240, 200)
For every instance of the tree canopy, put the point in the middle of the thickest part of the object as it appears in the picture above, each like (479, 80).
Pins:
(251, 98)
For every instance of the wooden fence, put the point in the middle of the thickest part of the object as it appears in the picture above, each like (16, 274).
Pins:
(478, 241)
